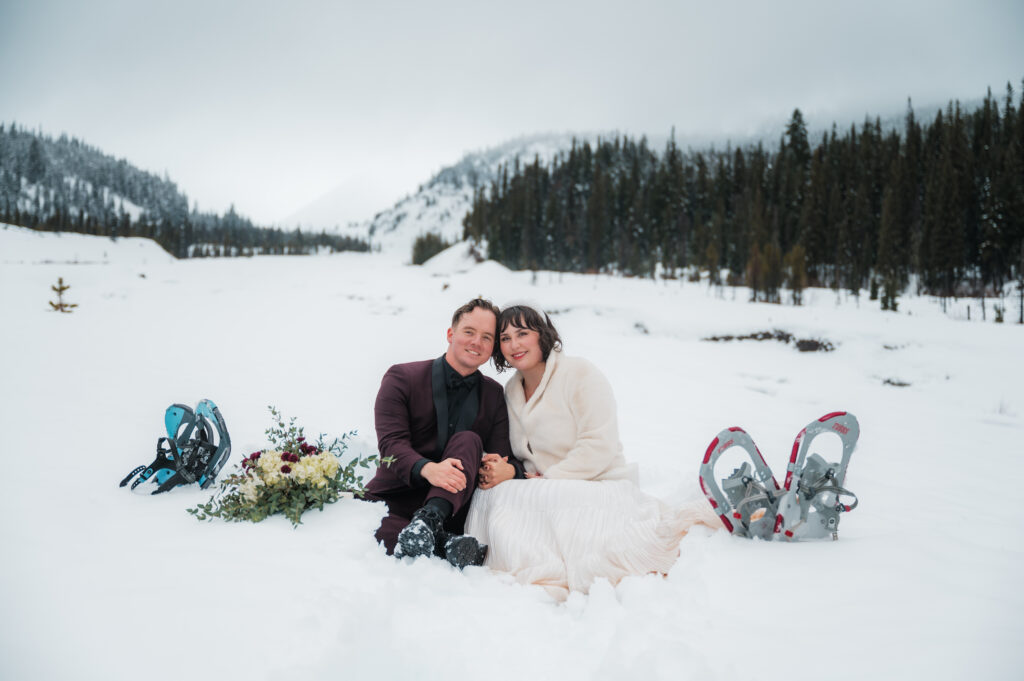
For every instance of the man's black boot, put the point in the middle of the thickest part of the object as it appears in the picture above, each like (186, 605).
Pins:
(421, 535)
(462, 550)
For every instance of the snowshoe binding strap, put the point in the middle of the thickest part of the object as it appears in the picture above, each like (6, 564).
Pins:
(131, 475)
(164, 461)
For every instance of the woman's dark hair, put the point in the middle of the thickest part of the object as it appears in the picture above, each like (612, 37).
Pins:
(526, 318)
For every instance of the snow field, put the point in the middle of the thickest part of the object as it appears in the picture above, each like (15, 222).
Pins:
(98, 582)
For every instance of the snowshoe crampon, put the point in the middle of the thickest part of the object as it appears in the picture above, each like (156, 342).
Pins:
(196, 448)
(752, 504)
(747, 500)
(814, 497)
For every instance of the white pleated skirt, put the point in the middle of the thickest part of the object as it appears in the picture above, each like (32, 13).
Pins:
(564, 534)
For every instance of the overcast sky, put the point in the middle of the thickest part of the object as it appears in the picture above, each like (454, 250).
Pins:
(270, 105)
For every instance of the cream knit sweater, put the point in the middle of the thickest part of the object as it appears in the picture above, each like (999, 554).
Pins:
(569, 428)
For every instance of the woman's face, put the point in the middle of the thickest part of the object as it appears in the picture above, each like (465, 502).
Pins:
(521, 348)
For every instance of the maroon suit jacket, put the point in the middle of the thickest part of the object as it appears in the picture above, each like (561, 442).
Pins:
(407, 425)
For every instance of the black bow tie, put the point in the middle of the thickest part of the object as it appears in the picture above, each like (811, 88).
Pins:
(455, 381)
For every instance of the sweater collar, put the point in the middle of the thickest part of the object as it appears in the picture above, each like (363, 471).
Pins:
(516, 393)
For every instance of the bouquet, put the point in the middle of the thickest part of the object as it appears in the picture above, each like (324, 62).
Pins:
(290, 477)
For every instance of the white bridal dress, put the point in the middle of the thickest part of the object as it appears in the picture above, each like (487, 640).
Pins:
(586, 518)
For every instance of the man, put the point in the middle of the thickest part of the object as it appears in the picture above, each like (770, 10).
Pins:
(436, 420)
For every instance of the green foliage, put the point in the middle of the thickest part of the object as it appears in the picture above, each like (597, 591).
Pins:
(60, 306)
(427, 246)
(286, 437)
(290, 478)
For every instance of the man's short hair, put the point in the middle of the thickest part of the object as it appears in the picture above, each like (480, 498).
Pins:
(472, 305)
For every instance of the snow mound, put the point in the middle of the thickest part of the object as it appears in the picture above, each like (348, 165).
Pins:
(458, 258)
(24, 246)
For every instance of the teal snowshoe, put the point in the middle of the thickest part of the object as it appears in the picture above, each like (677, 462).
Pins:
(196, 448)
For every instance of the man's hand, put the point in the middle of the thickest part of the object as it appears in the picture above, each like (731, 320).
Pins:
(494, 469)
(447, 475)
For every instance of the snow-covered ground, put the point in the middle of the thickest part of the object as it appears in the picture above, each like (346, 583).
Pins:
(97, 582)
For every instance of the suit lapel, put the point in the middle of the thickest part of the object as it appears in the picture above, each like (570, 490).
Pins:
(440, 391)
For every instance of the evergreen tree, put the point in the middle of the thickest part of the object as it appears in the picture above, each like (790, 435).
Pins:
(35, 169)
(773, 273)
(796, 272)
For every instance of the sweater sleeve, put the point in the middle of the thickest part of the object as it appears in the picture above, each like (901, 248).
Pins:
(597, 445)
(498, 442)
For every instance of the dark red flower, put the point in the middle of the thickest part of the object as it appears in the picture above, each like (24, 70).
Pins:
(302, 439)
(286, 468)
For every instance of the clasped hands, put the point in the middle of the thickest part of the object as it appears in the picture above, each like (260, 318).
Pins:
(449, 474)
(494, 469)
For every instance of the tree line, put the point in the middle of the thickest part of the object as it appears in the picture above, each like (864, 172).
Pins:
(65, 185)
(938, 205)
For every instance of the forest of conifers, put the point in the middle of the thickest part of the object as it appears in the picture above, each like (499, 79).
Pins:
(939, 203)
(65, 185)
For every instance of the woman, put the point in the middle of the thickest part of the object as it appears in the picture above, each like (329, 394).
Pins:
(580, 515)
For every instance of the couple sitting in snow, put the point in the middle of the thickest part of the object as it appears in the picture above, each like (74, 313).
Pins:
(530, 480)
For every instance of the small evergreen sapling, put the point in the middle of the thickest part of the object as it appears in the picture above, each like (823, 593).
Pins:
(60, 305)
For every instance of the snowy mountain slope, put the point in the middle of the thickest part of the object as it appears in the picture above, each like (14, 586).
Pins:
(101, 583)
(83, 195)
(440, 204)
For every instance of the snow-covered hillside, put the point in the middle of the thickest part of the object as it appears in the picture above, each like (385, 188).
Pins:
(98, 582)
(19, 245)
(440, 204)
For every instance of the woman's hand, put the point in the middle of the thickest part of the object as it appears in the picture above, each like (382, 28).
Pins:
(534, 475)
(494, 469)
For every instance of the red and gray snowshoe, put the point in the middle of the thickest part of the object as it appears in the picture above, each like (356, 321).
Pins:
(747, 500)
(814, 497)
(752, 504)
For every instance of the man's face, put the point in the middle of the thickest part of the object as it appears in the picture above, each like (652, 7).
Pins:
(471, 340)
